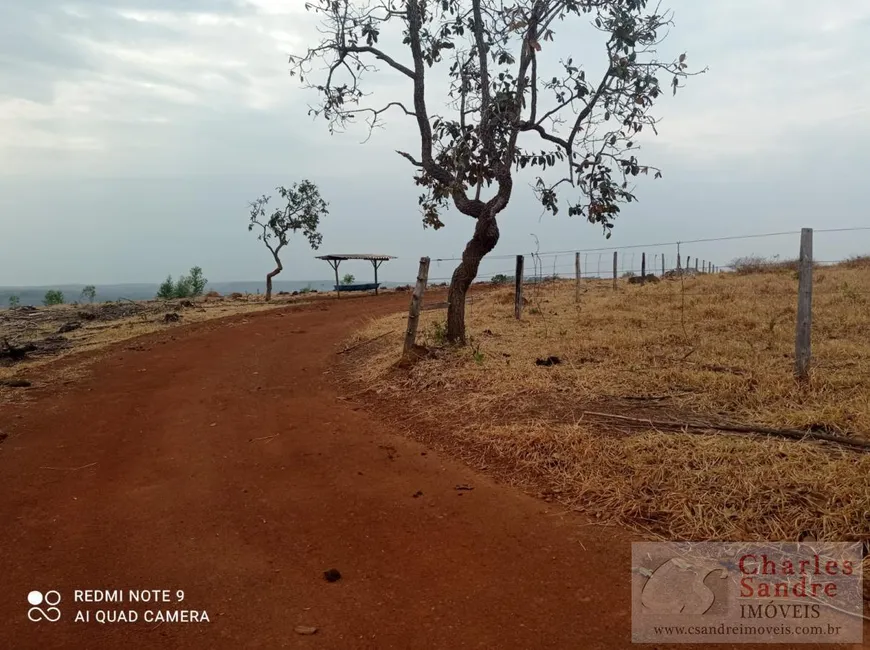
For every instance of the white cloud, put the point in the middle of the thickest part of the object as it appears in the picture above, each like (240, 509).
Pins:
(147, 118)
(778, 72)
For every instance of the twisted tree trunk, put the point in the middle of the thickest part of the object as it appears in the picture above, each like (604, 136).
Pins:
(484, 240)
(271, 275)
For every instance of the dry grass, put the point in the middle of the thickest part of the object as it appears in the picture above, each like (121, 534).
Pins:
(117, 322)
(703, 348)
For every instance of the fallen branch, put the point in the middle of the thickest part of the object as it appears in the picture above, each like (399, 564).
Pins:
(359, 345)
(794, 434)
(69, 469)
(264, 438)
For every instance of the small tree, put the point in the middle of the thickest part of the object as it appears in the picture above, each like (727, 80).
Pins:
(166, 291)
(14, 301)
(348, 278)
(196, 281)
(500, 93)
(89, 293)
(303, 210)
(187, 286)
(183, 287)
(53, 297)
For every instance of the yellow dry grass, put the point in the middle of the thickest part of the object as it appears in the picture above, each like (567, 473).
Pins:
(702, 348)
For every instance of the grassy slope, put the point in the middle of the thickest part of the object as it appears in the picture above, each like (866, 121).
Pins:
(709, 347)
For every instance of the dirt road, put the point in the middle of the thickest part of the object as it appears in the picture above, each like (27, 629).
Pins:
(218, 460)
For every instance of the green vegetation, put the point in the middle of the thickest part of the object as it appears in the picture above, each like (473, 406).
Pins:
(303, 211)
(348, 278)
(14, 301)
(516, 116)
(53, 297)
(166, 289)
(187, 286)
(89, 293)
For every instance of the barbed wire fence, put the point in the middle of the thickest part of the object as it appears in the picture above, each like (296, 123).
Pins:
(679, 260)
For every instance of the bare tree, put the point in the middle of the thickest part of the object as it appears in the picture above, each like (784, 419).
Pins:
(488, 52)
(303, 210)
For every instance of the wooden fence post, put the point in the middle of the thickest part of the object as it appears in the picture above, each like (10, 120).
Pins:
(803, 333)
(576, 277)
(416, 303)
(614, 270)
(643, 268)
(518, 291)
(663, 265)
(696, 265)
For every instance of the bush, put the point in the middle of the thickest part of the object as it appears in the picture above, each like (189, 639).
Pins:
(196, 281)
(167, 289)
(500, 278)
(14, 301)
(53, 297)
(187, 286)
(348, 278)
(439, 332)
(183, 288)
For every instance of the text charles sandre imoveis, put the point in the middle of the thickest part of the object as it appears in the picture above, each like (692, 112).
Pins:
(762, 577)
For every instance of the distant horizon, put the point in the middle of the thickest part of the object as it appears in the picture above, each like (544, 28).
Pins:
(33, 295)
(81, 285)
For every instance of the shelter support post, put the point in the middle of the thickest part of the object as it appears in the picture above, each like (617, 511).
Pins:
(334, 264)
(375, 265)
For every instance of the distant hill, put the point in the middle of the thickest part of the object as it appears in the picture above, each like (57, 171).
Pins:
(112, 292)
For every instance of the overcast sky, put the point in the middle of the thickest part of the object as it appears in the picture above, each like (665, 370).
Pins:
(133, 133)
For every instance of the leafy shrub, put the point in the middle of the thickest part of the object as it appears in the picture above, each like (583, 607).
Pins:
(166, 291)
(187, 286)
(348, 278)
(196, 281)
(14, 301)
(438, 333)
(183, 288)
(500, 278)
(53, 297)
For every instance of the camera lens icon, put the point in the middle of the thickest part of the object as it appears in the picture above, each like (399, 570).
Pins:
(51, 613)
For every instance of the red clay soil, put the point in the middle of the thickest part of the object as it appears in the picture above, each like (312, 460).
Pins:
(219, 461)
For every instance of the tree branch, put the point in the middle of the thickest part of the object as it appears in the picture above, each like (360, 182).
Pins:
(363, 49)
